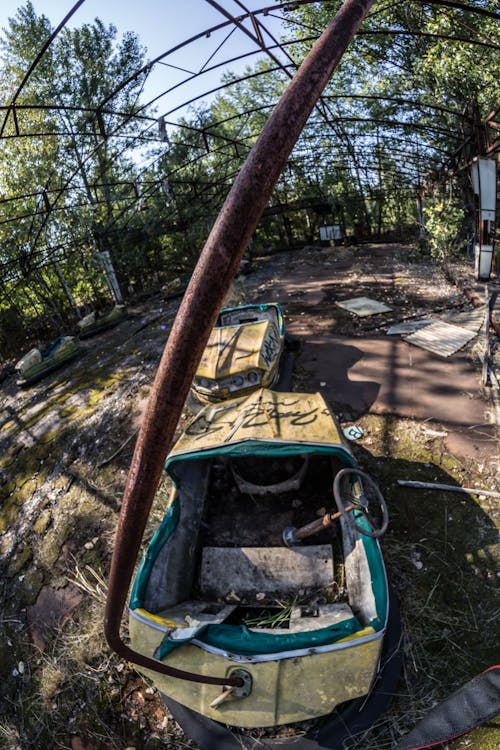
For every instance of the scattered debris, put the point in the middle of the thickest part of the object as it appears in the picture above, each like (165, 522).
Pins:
(51, 608)
(364, 306)
(441, 338)
(100, 404)
(416, 560)
(353, 432)
(409, 326)
(119, 450)
(471, 319)
(436, 433)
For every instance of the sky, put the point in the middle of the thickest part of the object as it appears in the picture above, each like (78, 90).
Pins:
(160, 25)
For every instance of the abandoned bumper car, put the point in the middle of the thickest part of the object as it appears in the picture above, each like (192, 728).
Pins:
(243, 352)
(39, 362)
(251, 574)
(94, 322)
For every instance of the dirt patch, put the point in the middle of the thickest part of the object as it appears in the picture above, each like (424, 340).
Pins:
(358, 367)
(49, 611)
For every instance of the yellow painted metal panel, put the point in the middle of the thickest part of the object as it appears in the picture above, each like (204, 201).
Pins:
(264, 415)
(284, 691)
(232, 349)
(313, 685)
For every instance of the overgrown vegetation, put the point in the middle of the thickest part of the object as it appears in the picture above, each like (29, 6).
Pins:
(443, 220)
(65, 454)
(442, 557)
(85, 169)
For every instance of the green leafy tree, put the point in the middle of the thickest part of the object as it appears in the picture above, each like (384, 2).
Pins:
(411, 80)
(66, 180)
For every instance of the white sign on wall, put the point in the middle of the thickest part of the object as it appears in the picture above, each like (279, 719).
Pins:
(484, 181)
(330, 232)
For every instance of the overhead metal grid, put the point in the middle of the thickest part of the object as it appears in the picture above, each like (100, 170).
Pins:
(333, 120)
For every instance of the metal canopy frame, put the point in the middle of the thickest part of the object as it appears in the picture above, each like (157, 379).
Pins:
(462, 127)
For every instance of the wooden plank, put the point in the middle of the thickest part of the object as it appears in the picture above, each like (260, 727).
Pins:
(273, 571)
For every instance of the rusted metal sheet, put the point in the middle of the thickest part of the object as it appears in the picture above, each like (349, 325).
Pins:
(217, 266)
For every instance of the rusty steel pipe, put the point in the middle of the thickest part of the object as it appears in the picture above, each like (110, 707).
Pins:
(198, 312)
(319, 524)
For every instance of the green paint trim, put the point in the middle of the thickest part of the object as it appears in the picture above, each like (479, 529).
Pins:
(161, 536)
(260, 448)
(238, 639)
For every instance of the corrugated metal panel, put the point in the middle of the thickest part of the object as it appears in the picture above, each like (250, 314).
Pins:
(408, 326)
(471, 319)
(441, 338)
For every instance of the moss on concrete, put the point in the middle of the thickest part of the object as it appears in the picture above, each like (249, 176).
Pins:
(42, 522)
(22, 556)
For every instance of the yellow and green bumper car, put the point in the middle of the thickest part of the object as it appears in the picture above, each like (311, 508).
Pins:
(232, 585)
(94, 323)
(243, 353)
(38, 363)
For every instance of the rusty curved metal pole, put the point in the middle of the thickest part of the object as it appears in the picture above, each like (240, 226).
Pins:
(198, 312)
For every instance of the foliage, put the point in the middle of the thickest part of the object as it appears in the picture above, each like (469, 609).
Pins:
(89, 175)
(62, 204)
(443, 221)
(411, 84)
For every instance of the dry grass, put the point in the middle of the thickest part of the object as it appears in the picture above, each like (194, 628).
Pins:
(9, 737)
(439, 553)
(90, 582)
(445, 644)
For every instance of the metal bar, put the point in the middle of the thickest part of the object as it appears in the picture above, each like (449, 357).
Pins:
(198, 312)
(207, 32)
(427, 35)
(71, 108)
(319, 524)
(100, 123)
(464, 6)
(16, 123)
(486, 355)
(493, 113)
(256, 28)
(494, 147)
(39, 57)
(446, 488)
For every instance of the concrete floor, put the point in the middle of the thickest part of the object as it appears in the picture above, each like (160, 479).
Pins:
(371, 372)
